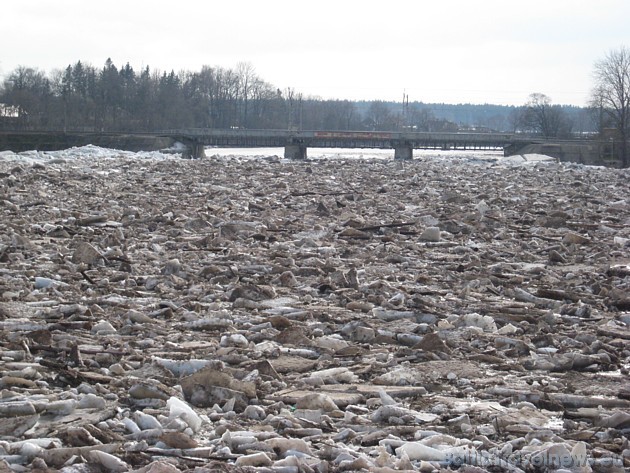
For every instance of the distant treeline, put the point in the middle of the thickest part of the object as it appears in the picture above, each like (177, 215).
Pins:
(83, 97)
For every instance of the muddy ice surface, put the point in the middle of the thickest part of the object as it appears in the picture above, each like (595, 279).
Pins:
(232, 314)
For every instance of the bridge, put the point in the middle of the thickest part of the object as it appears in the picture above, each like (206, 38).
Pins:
(296, 143)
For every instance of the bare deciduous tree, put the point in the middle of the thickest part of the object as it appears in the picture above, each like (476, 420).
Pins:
(379, 116)
(611, 95)
(544, 118)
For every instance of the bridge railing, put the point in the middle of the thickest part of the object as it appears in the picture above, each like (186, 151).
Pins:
(307, 134)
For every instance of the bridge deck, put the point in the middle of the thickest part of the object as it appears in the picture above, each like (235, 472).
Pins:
(346, 139)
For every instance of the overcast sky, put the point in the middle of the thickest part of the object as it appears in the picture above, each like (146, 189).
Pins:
(452, 51)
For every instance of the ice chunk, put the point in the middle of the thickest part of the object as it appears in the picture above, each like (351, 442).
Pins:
(419, 451)
(179, 409)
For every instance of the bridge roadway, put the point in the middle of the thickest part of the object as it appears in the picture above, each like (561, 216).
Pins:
(295, 142)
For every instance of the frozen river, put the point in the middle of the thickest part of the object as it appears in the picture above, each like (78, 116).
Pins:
(346, 313)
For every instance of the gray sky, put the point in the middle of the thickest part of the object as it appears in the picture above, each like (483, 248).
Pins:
(452, 51)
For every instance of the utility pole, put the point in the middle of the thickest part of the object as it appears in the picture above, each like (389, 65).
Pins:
(405, 110)
(300, 109)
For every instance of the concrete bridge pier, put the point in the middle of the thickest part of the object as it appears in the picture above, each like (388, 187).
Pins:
(198, 150)
(404, 152)
(295, 151)
(194, 150)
